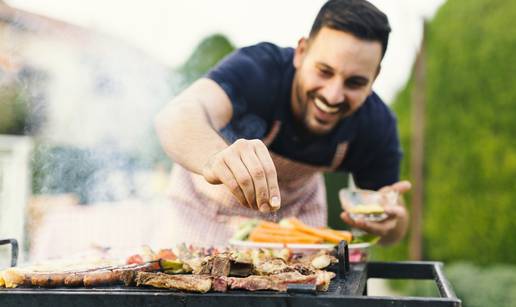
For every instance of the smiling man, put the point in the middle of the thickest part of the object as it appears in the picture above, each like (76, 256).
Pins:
(256, 133)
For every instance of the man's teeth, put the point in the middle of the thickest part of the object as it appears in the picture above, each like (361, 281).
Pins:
(324, 107)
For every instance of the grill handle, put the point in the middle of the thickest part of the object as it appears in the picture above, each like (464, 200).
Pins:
(429, 270)
(343, 257)
(14, 250)
(302, 289)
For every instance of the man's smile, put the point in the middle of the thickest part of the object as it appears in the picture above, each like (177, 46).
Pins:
(325, 107)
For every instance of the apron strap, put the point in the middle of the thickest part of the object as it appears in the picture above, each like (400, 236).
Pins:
(269, 138)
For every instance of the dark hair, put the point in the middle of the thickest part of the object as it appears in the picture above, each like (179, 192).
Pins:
(358, 17)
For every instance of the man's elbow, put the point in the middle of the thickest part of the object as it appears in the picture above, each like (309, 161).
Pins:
(166, 124)
(168, 117)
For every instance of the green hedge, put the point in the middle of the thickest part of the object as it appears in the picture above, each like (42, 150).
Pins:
(475, 286)
(13, 110)
(484, 286)
(470, 151)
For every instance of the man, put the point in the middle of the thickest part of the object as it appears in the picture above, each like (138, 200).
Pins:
(254, 135)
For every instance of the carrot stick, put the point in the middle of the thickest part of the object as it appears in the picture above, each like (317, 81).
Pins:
(344, 235)
(326, 235)
(272, 225)
(285, 232)
(290, 233)
(258, 237)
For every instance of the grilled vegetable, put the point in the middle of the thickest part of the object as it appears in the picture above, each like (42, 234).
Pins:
(245, 229)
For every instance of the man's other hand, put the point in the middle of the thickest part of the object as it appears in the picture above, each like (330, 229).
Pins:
(394, 227)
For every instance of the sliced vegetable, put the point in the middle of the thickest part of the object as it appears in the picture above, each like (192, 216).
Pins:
(167, 265)
(326, 235)
(366, 238)
(264, 237)
(285, 232)
(342, 234)
(245, 229)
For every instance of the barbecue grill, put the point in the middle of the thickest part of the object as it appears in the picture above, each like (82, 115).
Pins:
(348, 288)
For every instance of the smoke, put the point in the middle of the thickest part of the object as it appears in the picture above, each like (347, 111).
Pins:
(91, 101)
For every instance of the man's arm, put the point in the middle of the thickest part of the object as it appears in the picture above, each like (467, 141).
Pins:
(187, 126)
(188, 131)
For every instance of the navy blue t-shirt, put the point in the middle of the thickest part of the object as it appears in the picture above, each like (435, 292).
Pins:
(258, 81)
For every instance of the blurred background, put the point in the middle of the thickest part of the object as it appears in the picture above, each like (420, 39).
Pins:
(81, 167)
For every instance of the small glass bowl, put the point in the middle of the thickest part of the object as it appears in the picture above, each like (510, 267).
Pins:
(367, 204)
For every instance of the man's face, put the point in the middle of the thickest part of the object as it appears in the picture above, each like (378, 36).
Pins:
(334, 75)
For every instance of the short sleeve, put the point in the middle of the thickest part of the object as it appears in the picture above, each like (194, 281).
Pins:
(251, 77)
(384, 164)
(374, 155)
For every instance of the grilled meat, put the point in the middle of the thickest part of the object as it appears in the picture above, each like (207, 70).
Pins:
(220, 284)
(250, 269)
(272, 266)
(323, 279)
(277, 282)
(221, 265)
(241, 269)
(48, 280)
(191, 283)
(125, 275)
(15, 277)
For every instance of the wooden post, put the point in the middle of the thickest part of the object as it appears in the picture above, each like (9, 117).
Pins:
(417, 152)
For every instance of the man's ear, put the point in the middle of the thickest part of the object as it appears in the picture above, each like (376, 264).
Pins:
(300, 53)
(377, 71)
(375, 76)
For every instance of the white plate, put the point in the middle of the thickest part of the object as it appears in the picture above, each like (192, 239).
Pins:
(293, 246)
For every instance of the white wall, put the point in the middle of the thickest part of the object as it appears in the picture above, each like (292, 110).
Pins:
(14, 191)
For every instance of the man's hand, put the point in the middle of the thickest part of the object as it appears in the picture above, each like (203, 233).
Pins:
(394, 227)
(246, 168)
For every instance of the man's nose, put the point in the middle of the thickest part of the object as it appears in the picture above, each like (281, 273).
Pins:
(334, 92)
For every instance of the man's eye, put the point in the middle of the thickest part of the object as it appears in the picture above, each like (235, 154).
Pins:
(355, 83)
(325, 73)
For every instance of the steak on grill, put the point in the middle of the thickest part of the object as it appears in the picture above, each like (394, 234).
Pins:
(191, 283)
(107, 275)
(278, 282)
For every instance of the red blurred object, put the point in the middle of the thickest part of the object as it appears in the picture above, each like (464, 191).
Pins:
(166, 254)
(135, 259)
(357, 255)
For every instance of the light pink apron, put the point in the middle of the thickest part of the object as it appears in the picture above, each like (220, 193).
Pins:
(207, 215)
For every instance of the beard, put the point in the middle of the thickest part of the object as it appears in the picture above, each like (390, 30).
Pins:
(302, 116)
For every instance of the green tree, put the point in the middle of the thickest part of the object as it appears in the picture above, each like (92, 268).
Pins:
(470, 152)
(13, 111)
(206, 55)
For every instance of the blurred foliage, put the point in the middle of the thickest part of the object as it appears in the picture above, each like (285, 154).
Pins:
(22, 110)
(476, 286)
(206, 55)
(13, 110)
(335, 182)
(483, 286)
(470, 152)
